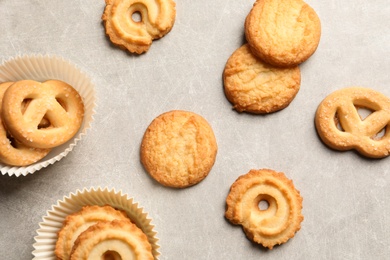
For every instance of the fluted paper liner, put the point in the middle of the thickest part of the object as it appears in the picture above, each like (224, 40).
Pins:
(41, 68)
(46, 239)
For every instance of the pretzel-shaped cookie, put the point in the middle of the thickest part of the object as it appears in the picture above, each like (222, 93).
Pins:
(355, 133)
(11, 151)
(157, 19)
(54, 100)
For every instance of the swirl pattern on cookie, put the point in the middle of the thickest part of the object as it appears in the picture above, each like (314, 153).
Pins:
(78, 222)
(341, 127)
(13, 152)
(118, 239)
(53, 100)
(283, 32)
(273, 225)
(257, 87)
(157, 19)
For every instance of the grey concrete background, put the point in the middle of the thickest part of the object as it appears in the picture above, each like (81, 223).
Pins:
(346, 197)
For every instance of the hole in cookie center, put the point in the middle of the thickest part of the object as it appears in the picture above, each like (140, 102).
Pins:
(12, 140)
(25, 104)
(136, 16)
(45, 123)
(364, 112)
(263, 205)
(337, 122)
(62, 103)
(111, 255)
(379, 135)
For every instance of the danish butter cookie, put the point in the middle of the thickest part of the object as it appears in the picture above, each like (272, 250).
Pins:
(118, 239)
(283, 32)
(53, 100)
(11, 151)
(273, 225)
(341, 127)
(256, 87)
(178, 149)
(157, 19)
(80, 221)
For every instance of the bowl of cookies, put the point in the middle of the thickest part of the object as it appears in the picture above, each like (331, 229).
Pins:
(96, 223)
(46, 106)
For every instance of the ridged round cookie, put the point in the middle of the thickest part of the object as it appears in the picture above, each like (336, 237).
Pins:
(178, 149)
(118, 239)
(269, 226)
(283, 33)
(157, 19)
(257, 87)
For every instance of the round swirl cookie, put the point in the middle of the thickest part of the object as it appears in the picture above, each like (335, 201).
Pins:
(178, 149)
(257, 87)
(13, 152)
(283, 32)
(157, 19)
(269, 226)
(80, 221)
(118, 239)
(341, 127)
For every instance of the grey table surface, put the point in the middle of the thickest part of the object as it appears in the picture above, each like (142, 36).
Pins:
(346, 197)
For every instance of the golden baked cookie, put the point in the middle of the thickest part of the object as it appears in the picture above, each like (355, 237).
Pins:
(178, 149)
(11, 151)
(283, 32)
(80, 221)
(118, 239)
(157, 19)
(54, 100)
(341, 127)
(269, 226)
(256, 87)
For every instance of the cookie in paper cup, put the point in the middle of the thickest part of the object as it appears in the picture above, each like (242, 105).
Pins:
(47, 234)
(48, 67)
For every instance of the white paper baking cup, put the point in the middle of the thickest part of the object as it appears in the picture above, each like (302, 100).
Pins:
(46, 239)
(41, 68)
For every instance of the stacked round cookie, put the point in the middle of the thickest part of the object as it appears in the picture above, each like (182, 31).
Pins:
(263, 75)
(101, 232)
(36, 117)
